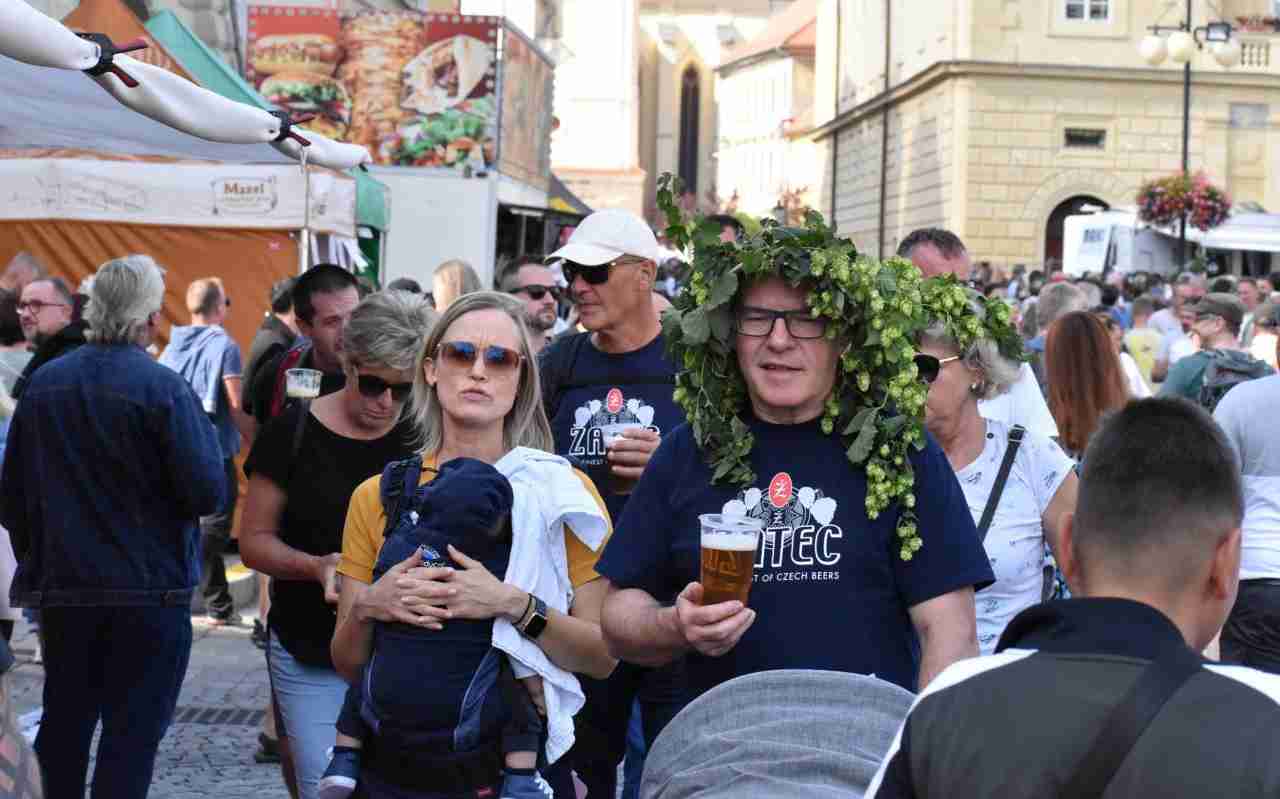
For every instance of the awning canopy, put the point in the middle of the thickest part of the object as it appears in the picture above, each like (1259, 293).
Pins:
(1251, 231)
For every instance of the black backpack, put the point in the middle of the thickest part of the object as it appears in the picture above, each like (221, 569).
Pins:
(1227, 369)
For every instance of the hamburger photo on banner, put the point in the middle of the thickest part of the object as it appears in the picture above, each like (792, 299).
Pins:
(295, 52)
(309, 93)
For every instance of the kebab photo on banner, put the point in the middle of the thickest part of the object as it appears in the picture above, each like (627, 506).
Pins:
(414, 89)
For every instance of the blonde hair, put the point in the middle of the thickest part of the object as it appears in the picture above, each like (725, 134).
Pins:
(456, 278)
(526, 423)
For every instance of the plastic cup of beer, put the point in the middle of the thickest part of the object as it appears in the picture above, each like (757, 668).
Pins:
(302, 383)
(728, 556)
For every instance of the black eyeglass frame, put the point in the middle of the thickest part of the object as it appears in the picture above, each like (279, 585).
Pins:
(787, 317)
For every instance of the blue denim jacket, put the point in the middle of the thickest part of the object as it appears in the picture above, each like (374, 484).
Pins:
(110, 461)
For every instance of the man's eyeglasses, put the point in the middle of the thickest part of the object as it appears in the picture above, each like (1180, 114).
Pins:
(373, 387)
(929, 366)
(537, 292)
(759, 322)
(594, 275)
(36, 306)
(464, 353)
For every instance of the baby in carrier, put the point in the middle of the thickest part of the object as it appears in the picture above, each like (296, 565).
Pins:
(432, 704)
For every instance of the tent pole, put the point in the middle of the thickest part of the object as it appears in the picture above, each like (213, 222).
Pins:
(304, 249)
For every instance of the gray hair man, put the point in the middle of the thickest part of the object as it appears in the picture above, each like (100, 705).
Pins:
(111, 545)
(936, 252)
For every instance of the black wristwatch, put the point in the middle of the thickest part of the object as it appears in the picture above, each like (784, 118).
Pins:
(536, 621)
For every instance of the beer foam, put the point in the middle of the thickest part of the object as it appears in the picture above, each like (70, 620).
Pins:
(730, 542)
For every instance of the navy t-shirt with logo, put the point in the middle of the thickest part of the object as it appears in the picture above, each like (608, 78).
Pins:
(830, 589)
(608, 393)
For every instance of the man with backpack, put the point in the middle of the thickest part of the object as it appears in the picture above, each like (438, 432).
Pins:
(1206, 376)
(608, 395)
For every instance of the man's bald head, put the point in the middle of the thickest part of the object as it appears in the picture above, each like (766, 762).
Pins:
(936, 251)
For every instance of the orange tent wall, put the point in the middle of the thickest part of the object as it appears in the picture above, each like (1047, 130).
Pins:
(248, 261)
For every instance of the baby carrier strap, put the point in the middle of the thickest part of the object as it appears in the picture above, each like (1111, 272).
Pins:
(399, 482)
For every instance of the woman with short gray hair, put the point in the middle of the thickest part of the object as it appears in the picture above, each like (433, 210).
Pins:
(1017, 482)
(302, 470)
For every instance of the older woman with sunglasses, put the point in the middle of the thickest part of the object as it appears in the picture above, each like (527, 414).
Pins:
(302, 470)
(476, 395)
(1018, 483)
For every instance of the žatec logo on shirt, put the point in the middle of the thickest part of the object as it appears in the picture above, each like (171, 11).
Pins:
(799, 539)
(597, 422)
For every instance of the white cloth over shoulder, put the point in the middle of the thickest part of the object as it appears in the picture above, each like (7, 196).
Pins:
(1138, 388)
(547, 496)
(1022, 404)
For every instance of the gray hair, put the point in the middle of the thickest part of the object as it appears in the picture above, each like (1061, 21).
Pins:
(387, 329)
(526, 424)
(126, 292)
(998, 372)
(1058, 300)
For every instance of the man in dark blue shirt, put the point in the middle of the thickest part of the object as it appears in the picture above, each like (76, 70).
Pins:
(609, 399)
(830, 588)
(111, 460)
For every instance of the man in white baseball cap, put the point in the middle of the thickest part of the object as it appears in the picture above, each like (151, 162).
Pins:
(608, 395)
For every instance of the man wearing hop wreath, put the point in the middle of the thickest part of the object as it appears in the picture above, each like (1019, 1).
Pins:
(805, 411)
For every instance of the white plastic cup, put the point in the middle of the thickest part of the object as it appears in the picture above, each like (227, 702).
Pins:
(303, 383)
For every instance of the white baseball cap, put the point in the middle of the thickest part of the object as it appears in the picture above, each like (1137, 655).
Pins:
(606, 235)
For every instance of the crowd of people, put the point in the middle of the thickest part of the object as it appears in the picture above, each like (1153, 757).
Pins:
(479, 533)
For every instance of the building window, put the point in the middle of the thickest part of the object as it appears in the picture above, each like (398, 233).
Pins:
(1091, 10)
(1084, 138)
(690, 109)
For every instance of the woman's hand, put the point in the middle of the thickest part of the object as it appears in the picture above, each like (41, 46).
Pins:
(409, 593)
(475, 592)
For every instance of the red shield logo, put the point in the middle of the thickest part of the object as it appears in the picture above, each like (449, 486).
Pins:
(613, 401)
(780, 490)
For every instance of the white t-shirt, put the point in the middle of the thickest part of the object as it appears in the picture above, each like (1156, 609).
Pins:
(1138, 388)
(1022, 404)
(1015, 542)
(1247, 415)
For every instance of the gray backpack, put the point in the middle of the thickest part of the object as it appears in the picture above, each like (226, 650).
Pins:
(1226, 370)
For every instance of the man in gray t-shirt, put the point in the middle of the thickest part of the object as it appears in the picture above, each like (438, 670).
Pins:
(1251, 635)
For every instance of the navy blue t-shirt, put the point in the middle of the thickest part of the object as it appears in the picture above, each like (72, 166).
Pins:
(830, 590)
(607, 392)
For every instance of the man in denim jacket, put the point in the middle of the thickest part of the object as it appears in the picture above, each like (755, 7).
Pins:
(111, 459)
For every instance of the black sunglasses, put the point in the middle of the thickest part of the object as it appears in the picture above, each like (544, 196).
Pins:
(929, 366)
(464, 354)
(537, 292)
(594, 275)
(373, 387)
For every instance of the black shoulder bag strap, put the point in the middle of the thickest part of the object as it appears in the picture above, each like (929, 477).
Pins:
(1128, 720)
(1002, 477)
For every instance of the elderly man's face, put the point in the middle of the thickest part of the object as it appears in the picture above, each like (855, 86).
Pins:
(42, 311)
(788, 379)
(931, 262)
(1186, 294)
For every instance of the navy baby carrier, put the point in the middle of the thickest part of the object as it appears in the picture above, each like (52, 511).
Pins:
(439, 702)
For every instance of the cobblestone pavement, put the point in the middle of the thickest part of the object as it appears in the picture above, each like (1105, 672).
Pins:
(208, 751)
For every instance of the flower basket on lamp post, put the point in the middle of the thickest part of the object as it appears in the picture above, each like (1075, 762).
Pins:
(1164, 201)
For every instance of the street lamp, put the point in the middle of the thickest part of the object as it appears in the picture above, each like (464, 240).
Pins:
(1180, 47)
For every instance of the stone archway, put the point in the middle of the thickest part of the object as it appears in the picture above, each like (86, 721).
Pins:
(1063, 186)
(1052, 244)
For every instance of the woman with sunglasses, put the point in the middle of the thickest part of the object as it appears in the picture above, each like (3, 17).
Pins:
(1018, 515)
(302, 470)
(476, 395)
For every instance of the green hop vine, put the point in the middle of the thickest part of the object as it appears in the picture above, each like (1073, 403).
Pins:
(873, 310)
(953, 304)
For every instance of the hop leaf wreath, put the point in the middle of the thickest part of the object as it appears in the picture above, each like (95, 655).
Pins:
(875, 308)
(949, 301)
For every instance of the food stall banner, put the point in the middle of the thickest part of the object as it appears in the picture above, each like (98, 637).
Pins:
(416, 89)
(525, 85)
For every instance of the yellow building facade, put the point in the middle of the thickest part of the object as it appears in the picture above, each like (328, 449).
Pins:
(1004, 116)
